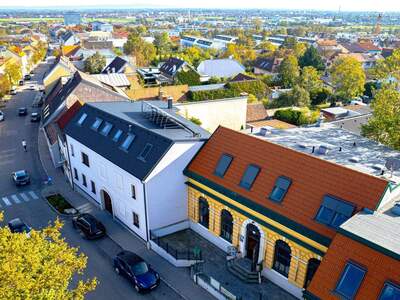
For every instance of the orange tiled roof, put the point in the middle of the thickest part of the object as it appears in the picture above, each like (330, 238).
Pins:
(327, 43)
(312, 178)
(256, 112)
(278, 124)
(368, 46)
(380, 268)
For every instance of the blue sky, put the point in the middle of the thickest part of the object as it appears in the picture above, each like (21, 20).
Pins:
(353, 5)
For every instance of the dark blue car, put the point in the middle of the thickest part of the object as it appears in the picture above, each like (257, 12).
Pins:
(133, 267)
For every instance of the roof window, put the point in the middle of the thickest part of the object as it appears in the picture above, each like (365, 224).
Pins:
(390, 291)
(334, 212)
(117, 135)
(106, 128)
(82, 119)
(249, 176)
(223, 165)
(350, 280)
(145, 152)
(96, 124)
(280, 189)
(127, 142)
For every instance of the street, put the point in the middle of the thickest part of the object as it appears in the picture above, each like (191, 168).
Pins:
(26, 202)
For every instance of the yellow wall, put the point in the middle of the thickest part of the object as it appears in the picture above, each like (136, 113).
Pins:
(300, 255)
(57, 73)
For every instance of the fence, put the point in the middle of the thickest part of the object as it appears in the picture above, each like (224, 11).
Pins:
(178, 254)
(214, 287)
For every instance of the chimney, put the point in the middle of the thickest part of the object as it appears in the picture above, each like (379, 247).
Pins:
(170, 101)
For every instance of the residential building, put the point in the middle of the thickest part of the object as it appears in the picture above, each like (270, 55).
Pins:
(221, 68)
(101, 26)
(267, 65)
(280, 196)
(119, 65)
(72, 18)
(61, 68)
(172, 67)
(129, 157)
(69, 39)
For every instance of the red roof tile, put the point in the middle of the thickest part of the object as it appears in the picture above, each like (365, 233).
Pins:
(312, 178)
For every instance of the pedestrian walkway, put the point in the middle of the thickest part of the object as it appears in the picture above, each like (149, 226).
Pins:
(176, 278)
(18, 198)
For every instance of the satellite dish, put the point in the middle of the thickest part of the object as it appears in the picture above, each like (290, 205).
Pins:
(392, 164)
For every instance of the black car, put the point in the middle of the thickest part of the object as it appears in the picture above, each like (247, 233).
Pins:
(21, 177)
(35, 117)
(136, 270)
(22, 111)
(27, 77)
(18, 226)
(90, 227)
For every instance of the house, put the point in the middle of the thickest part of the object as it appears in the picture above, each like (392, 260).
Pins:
(256, 112)
(267, 65)
(68, 38)
(221, 68)
(71, 52)
(80, 87)
(61, 67)
(242, 77)
(128, 157)
(363, 261)
(360, 47)
(172, 67)
(191, 41)
(279, 196)
(118, 80)
(101, 26)
(118, 65)
(97, 44)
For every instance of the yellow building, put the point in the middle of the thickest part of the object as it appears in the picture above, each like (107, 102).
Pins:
(271, 203)
(62, 67)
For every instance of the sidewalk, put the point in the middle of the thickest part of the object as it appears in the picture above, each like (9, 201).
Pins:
(176, 278)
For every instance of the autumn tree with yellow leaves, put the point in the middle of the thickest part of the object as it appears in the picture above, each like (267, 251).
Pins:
(41, 266)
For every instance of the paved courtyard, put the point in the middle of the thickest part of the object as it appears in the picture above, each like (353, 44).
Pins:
(215, 266)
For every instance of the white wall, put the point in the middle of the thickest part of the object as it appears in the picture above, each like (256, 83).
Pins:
(114, 180)
(165, 186)
(230, 113)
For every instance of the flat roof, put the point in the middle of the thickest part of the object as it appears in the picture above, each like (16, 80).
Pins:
(380, 228)
(135, 113)
(343, 147)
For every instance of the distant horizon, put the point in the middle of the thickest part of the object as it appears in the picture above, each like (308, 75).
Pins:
(284, 5)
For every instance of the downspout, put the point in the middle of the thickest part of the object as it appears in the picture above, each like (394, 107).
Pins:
(69, 164)
(145, 211)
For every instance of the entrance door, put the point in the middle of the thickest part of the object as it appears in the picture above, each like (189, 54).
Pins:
(252, 243)
(107, 202)
(313, 265)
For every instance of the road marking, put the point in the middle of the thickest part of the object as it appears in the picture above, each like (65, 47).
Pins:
(6, 201)
(16, 199)
(24, 196)
(33, 195)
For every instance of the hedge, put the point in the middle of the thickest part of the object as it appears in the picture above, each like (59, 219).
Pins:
(297, 117)
(190, 78)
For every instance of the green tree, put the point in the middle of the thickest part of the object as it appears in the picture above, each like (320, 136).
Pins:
(310, 79)
(267, 46)
(389, 67)
(162, 42)
(384, 125)
(348, 78)
(95, 64)
(41, 266)
(241, 53)
(143, 51)
(5, 85)
(312, 58)
(14, 72)
(251, 98)
(289, 71)
(300, 96)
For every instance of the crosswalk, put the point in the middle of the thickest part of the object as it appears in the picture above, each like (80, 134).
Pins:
(18, 198)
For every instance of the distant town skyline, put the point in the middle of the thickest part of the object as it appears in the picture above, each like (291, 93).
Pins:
(350, 5)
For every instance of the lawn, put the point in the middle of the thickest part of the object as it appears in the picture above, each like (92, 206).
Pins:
(59, 203)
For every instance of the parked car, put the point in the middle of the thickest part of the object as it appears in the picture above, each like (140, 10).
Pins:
(1, 116)
(18, 226)
(27, 77)
(90, 227)
(21, 82)
(13, 92)
(35, 117)
(136, 270)
(32, 87)
(22, 111)
(21, 177)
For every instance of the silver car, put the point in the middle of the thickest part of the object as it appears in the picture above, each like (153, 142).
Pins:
(1, 116)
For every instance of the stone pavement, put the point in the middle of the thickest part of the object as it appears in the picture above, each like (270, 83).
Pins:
(215, 266)
(176, 278)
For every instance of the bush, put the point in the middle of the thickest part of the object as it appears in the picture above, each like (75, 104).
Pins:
(190, 78)
(59, 202)
(195, 120)
(320, 96)
(212, 95)
(297, 117)
(254, 87)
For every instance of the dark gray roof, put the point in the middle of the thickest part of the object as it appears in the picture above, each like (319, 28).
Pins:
(128, 117)
(66, 36)
(171, 66)
(269, 64)
(115, 65)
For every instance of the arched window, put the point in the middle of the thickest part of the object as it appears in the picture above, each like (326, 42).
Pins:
(204, 212)
(282, 258)
(226, 225)
(312, 267)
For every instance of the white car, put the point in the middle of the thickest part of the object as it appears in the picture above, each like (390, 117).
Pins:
(1, 116)
(32, 87)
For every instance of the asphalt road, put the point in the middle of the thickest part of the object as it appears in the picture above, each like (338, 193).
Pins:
(26, 203)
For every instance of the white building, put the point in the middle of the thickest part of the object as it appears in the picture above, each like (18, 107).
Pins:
(129, 158)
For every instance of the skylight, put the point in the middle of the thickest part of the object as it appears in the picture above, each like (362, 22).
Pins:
(127, 142)
(106, 129)
(96, 124)
(280, 189)
(145, 152)
(223, 165)
(82, 119)
(249, 176)
(117, 135)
